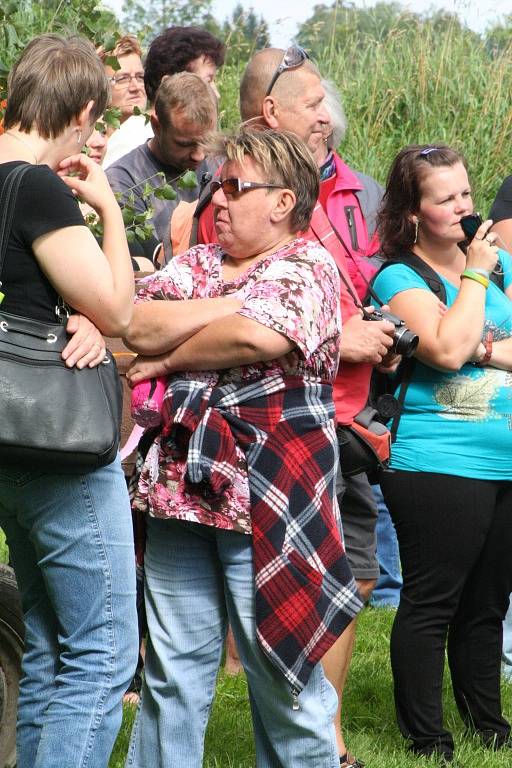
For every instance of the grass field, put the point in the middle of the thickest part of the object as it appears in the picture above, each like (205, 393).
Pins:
(370, 728)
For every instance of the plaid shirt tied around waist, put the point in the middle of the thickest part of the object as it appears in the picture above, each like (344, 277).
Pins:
(304, 590)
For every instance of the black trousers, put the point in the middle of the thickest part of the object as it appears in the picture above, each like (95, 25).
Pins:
(455, 538)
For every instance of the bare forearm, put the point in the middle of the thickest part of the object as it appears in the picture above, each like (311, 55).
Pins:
(161, 326)
(459, 330)
(229, 342)
(116, 250)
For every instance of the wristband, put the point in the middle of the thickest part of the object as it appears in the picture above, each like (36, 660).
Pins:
(484, 272)
(471, 275)
(487, 342)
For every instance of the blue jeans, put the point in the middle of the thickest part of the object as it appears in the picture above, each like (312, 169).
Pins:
(198, 577)
(389, 584)
(71, 543)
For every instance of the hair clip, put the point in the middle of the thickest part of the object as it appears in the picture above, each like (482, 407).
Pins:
(428, 150)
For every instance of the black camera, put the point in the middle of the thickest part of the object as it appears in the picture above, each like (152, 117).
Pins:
(405, 341)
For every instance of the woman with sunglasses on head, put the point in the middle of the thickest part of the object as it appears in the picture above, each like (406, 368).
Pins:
(69, 535)
(239, 484)
(449, 490)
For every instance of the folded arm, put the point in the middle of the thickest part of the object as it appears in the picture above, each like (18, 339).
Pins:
(161, 326)
(225, 343)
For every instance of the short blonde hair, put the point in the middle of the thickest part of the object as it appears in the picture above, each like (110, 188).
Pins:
(123, 47)
(52, 82)
(284, 159)
(188, 94)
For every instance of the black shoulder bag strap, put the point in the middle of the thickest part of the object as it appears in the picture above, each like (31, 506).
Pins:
(8, 197)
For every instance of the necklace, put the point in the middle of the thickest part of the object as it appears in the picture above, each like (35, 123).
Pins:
(15, 136)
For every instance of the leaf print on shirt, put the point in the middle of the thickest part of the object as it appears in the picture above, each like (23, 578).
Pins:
(468, 398)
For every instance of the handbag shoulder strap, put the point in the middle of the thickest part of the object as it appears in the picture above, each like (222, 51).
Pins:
(7, 205)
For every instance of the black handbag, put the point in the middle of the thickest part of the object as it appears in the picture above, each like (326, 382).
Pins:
(365, 445)
(54, 418)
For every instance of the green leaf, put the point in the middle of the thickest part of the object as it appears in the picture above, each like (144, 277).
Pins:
(130, 236)
(165, 193)
(188, 180)
(113, 62)
(127, 215)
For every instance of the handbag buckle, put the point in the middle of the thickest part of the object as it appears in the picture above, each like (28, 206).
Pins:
(61, 309)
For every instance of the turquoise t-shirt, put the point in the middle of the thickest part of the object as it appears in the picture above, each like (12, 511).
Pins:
(457, 423)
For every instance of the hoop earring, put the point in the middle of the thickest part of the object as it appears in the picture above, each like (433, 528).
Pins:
(416, 228)
(79, 137)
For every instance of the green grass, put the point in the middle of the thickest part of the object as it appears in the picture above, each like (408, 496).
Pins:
(369, 723)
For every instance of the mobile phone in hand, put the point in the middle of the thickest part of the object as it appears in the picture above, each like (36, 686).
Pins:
(470, 224)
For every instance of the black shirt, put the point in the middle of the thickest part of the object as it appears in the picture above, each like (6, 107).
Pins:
(44, 204)
(502, 206)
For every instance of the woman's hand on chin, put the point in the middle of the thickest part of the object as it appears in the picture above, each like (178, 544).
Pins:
(144, 368)
(87, 179)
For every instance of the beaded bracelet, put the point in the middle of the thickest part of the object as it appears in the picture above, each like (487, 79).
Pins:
(487, 342)
(475, 276)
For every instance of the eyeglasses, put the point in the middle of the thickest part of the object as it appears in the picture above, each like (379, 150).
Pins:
(293, 57)
(232, 186)
(124, 79)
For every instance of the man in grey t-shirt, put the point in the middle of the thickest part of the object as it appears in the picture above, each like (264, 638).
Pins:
(185, 112)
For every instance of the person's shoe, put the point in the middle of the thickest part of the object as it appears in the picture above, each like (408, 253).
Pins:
(349, 761)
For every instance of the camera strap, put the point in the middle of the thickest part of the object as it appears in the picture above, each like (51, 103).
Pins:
(349, 253)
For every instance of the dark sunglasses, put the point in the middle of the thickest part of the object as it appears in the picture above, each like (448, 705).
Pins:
(293, 57)
(231, 186)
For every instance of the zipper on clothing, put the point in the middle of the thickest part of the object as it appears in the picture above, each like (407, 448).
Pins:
(295, 700)
(351, 221)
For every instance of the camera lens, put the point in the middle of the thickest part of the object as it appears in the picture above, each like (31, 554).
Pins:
(405, 342)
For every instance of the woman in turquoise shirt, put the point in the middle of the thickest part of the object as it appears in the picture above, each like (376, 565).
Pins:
(450, 490)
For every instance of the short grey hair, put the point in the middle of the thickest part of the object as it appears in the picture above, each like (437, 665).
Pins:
(334, 108)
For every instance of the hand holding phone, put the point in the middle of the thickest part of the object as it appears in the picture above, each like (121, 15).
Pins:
(470, 224)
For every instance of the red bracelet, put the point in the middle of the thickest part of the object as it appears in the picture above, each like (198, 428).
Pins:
(487, 342)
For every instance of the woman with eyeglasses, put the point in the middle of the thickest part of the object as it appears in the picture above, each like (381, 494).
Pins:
(238, 485)
(449, 490)
(127, 92)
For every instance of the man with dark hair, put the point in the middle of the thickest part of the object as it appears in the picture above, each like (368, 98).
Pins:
(183, 49)
(185, 112)
(177, 49)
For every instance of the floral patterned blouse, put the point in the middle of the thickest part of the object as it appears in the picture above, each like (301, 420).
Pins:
(294, 291)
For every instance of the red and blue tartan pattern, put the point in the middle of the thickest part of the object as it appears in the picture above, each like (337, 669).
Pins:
(305, 593)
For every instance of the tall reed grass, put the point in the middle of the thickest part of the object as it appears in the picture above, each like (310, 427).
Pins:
(418, 85)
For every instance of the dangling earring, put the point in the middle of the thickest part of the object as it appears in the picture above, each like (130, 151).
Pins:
(79, 137)
(416, 227)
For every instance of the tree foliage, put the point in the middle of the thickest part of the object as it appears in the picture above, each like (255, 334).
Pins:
(244, 33)
(498, 38)
(21, 20)
(330, 26)
(147, 19)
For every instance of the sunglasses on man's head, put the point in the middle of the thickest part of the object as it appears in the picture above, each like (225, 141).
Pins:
(232, 186)
(293, 57)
